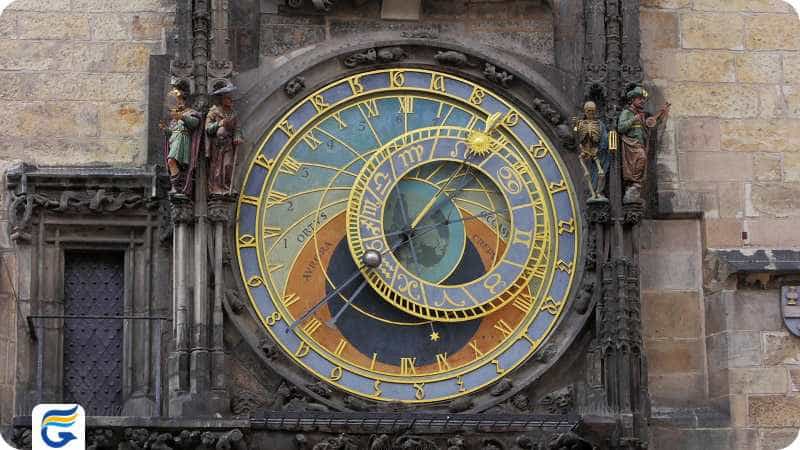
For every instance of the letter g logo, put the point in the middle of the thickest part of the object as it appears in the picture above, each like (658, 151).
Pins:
(59, 427)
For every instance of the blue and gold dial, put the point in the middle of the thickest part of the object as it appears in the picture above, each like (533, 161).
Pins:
(407, 235)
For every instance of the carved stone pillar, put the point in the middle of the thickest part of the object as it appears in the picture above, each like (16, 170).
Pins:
(219, 208)
(182, 215)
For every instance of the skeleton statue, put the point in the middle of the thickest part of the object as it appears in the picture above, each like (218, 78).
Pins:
(182, 143)
(592, 137)
(224, 136)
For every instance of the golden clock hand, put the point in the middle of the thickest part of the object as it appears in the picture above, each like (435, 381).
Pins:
(433, 199)
(349, 301)
(368, 262)
(404, 218)
(447, 222)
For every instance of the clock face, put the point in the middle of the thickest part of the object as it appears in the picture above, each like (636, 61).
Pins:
(407, 235)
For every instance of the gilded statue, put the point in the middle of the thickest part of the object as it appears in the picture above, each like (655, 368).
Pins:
(592, 138)
(223, 137)
(635, 126)
(182, 142)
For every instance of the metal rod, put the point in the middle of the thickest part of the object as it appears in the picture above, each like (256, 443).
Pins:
(159, 411)
(56, 316)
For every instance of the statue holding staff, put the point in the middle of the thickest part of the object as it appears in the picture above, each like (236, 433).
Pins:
(182, 142)
(634, 126)
(223, 136)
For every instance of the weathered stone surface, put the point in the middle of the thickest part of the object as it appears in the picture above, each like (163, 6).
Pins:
(677, 390)
(487, 16)
(659, 30)
(60, 119)
(538, 45)
(791, 95)
(122, 120)
(118, 6)
(130, 58)
(773, 32)
(669, 357)
(710, 66)
(712, 30)
(791, 167)
(660, 64)
(779, 6)
(723, 232)
(56, 55)
(88, 87)
(791, 67)
(683, 273)
(767, 167)
(698, 134)
(716, 166)
(760, 380)
(731, 199)
(794, 379)
(53, 26)
(781, 347)
(666, 4)
(277, 39)
(670, 235)
(692, 439)
(777, 199)
(16, 86)
(776, 439)
(671, 315)
(758, 67)
(760, 135)
(772, 104)
(78, 151)
(725, 100)
(734, 349)
(39, 5)
(774, 411)
(149, 27)
(110, 27)
(8, 25)
(773, 232)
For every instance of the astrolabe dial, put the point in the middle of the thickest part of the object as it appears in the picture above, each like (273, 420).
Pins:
(407, 235)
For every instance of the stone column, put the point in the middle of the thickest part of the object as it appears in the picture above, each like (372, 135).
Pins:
(178, 361)
(219, 208)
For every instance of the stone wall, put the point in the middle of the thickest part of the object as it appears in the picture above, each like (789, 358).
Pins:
(523, 26)
(75, 79)
(731, 70)
(723, 368)
(75, 93)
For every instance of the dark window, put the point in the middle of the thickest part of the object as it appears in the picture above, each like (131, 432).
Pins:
(93, 285)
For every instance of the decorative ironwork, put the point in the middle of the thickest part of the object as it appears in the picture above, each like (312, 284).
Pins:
(416, 422)
(93, 284)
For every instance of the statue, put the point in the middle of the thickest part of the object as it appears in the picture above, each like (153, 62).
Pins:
(182, 143)
(224, 136)
(634, 127)
(592, 138)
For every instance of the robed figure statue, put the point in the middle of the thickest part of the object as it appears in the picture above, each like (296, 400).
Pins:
(634, 126)
(223, 136)
(182, 143)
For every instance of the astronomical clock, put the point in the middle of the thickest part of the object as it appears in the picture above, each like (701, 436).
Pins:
(407, 235)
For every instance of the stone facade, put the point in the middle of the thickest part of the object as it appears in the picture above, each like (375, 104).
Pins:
(721, 360)
(75, 93)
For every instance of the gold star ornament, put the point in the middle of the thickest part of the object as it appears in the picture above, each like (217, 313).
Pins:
(434, 336)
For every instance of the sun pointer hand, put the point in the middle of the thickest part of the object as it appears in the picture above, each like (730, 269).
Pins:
(371, 259)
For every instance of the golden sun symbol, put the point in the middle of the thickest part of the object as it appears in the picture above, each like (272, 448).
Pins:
(480, 142)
